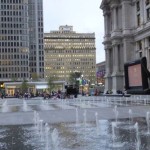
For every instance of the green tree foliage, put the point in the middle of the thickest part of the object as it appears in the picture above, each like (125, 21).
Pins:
(50, 83)
(24, 86)
(34, 77)
(13, 78)
(73, 78)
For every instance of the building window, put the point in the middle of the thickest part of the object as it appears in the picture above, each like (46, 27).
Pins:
(138, 6)
(148, 14)
(138, 20)
(139, 45)
(140, 54)
(147, 2)
(149, 41)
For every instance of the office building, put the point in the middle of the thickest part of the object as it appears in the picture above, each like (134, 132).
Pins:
(21, 39)
(127, 37)
(36, 38)
(67, 51)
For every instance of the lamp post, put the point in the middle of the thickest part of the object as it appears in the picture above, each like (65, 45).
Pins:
(82, 84)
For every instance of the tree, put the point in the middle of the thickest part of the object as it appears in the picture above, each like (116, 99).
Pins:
(13, 78)
(34, 77)
(50, 83)
(73, 78)
(24, 86)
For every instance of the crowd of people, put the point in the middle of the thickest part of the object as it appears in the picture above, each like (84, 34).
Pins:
(53, 94)
(25, 95)
(71, 92)
(118, 92)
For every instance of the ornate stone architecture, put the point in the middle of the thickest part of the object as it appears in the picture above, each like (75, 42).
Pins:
(127, 37)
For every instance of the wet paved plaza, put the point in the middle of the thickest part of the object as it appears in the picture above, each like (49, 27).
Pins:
(21, 111)
(75, 124)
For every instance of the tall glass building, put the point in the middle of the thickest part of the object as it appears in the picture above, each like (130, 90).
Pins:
(21, 39)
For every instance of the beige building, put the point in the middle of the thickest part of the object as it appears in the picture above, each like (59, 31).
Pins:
(127, 37)
(67, 51)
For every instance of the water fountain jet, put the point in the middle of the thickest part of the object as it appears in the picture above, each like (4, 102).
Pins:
(77, 117)
(130, 116)
(148, 123)
(5, 107)
(136, 126)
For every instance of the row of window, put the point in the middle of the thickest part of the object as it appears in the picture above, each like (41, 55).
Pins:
(40, 35)
(11, 69)
(147, 15)
(68, 40)
(71, 63)
(14, 63)
(70, 67)
(14, 44)
(35, 52)
(68, 43)
(78, 48)
(10, 25)
(50, 57)
(14, 20)
(13, 13)
(13, 32)
(33, 69)
(13, 38)
(10, 56)
(62, 59)
(16, 75)
(62, 72)
(12, 1)
(33, 64)
(70, 51)
(140, 43)
(12, 7)
(12, 50)
(34, 58)
(69, 37)
(32, 47)
(147, 3)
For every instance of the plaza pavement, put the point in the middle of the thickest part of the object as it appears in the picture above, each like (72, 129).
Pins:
(67, 113)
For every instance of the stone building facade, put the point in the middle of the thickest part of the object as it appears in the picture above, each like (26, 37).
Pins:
(127, 37)
(67, 51)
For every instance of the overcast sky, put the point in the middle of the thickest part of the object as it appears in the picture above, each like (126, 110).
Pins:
(83, 15)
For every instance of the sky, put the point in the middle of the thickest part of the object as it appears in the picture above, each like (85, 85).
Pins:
(84, 15)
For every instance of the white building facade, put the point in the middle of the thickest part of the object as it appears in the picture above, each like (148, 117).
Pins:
(127, 37)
